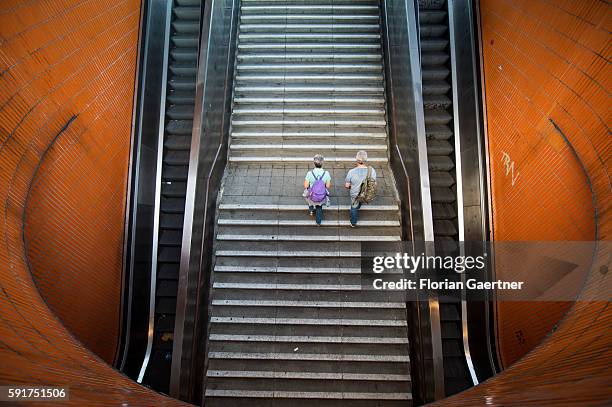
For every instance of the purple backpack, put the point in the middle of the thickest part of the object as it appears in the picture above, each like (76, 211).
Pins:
(318, 191)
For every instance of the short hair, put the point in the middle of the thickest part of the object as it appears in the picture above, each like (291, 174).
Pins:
(361, 157)
(318, 160)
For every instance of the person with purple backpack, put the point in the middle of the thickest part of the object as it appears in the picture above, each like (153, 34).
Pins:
(316, 189)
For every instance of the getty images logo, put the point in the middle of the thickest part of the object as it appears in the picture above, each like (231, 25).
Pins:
(403, 261)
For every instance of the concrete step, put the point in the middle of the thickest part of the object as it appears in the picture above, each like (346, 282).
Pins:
(309, 304)
(332, 237)
(317, 112)
(308, 18)
(308, 375)
(242, 394)
(289, 27)
(314, 91)
(325, 101)
(305, 38)
(294, 223)
(311, 356)
(331, 10)
(321, 68)
(311, 57)
(300, 79)
(335, 47)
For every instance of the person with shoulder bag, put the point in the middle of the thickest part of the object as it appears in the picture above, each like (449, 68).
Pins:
(361, 183)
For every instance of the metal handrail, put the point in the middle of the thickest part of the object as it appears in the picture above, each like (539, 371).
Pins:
(459, 185)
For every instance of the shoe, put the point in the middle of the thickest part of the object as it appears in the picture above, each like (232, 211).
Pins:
(353, 225)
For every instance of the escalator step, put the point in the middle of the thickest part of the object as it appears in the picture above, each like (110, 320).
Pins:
(186, 71)
(178, 142)
(187, 13)
(171, 221)
(436, 87)
(432, 17)
(440, 163)
(175, 173)
(168, 271)
(179, 127)
(169, 254)
(444, 211)
(170, 237)
(441, 179)
(176, 157)
(182, 83)
(164, 323)
(438, 132)
(166, 288)
(174, 189)
(444, 227)
(452, 349)
(431, 30)
(454, 368)
(433, 45)
(436, 102)
(180, 112)
(189, 3)
(437, 117)
(163, 341)
(181, 97)
(451, 330)
(186, 27)
(434, 58)
(439, 147)
(185, 41)
(172, 205)
(449, 312)
(442, 195)
(435, 73)
(184, 55)
(431, 4)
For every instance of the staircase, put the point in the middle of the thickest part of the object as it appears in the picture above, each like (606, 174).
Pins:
(289, 322)
(438, 108)
(179, 105)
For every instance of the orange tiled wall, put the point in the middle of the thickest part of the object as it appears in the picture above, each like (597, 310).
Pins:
(67, 70)
(66, 89)
(547, 82)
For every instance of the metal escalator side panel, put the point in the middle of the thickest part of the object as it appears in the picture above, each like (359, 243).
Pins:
(401, 20)
(209, 134)
(158, 175)
(459, 187)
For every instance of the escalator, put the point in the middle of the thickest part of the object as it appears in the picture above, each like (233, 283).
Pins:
(439, 128)
(179, 108)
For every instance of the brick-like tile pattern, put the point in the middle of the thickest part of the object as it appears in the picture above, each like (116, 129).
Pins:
(547, 80)
(67, 70)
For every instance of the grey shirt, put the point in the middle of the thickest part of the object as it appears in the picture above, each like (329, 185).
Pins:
(355, 177)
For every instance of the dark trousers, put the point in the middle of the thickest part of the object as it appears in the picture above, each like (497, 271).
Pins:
(355, 213)
(318, 210)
